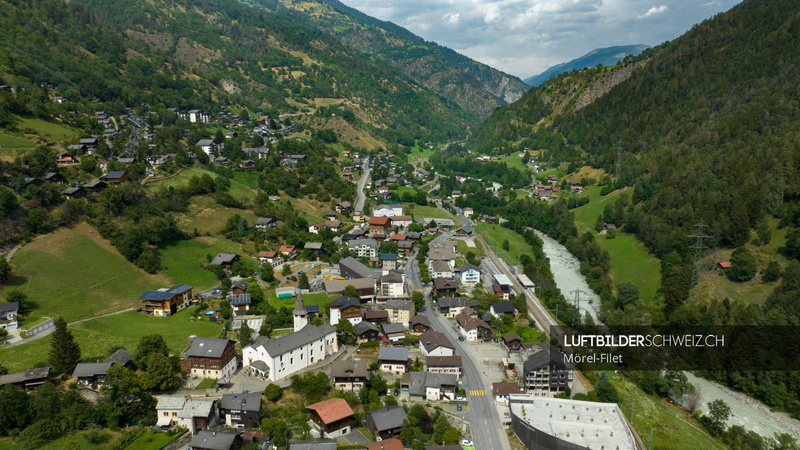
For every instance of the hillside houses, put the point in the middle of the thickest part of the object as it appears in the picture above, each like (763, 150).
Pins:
(166, 301)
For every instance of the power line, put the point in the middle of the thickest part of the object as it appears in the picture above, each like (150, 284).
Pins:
(699, 247)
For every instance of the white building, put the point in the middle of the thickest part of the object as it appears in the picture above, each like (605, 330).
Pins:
(193, 414)
(469, 274)
(387, 210)
(364, 248)
(393, 284)
(289, 354)
(347, 307)
(433, 343)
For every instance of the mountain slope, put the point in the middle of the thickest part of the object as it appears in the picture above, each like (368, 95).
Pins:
(476, 87)
(608, 56)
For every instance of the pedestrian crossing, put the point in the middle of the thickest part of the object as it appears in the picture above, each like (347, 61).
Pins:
(477, 392)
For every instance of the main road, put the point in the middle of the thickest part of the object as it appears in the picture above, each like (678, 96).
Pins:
(359, 206)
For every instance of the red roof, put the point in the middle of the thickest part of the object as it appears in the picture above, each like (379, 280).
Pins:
(286, 249)
(725, 265)
(379, 220)
(332, 410)
(386, 444)
(399, 237)
(266, 254)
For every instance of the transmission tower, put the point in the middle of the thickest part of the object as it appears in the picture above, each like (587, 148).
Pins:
(577, 300)
(699, 247)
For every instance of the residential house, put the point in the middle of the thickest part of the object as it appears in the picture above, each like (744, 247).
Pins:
(444, 364)
(166, 301)
(364, 248)
(502, 308)
(377, 317)
(401, 221)
(445, 287)
(9, 313)
(393, 359)
(220, 160)
(456, 194)
(379, 224)
(91, 375)
(346, 307)
(473, 329)
(216, 440)
(225, 260)
(358, 216)
(366, 331)
(405, 247)
(53, 177)
(352, 268)
(442, 255)
(450, 307)
(239, 288)
(383, 192)
(364, 286)
(334, 417)
(349, 375)
(545, 372)
(464, 231)
(287, 250)
(469, 274)
(433, 386)
(400, 311)
(66, 159)
(512, 341)
(388, 261)
(388, 444)
(316, 227)
(576, 189)
(210, 358)
(208, 146)
(264, 223)
(94, 186)
(240, 410)
(394, 332)
(343, 208)
(72, 193)
(116, 177)
(387, 210)
(467, 212)
(501, 290)
(419, 324)
(434, 343)
(289, 354)
(241, 303)
(385, 423)
(440, 269)
(501, 391)
(270, 257)
(314, 247)
(414, 236)
(194, 414)
(334, 225)
(28, 380)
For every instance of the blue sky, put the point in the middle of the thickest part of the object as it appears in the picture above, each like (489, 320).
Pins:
(525, 37)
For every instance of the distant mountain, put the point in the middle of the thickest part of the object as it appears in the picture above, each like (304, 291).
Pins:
(606, 56)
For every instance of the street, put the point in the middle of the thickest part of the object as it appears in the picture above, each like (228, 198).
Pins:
(359, 206)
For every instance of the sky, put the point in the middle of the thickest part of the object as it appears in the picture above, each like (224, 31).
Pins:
(525, 37)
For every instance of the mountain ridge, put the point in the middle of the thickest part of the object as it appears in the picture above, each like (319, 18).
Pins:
(607, 56)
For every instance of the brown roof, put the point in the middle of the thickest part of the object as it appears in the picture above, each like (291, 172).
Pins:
(445, 283)
(432, 339)
(504, 389)
(511, 337)
(265, 254)
(332, 410)
(386, 444)
(419, 318)
(399, 237)
(379, 220)
(443, 361)
(470, 323)
(376, 315)
(400, 218)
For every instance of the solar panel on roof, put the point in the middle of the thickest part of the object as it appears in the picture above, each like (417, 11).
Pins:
(312, 308)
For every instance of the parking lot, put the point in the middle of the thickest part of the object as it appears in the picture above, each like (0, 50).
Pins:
(492, 355)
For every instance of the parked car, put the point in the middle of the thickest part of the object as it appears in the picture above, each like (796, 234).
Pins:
(459, 407)
(466, 442)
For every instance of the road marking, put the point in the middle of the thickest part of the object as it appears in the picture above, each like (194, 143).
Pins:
(477, 392)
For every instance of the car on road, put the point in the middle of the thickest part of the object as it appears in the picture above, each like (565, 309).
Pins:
(461, 338)
(466, 442)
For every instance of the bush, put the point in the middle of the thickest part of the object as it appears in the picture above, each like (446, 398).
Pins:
(743, 265)
(373, 344)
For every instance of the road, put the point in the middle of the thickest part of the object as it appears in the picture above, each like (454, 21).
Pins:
(363, 181)
(487, 429)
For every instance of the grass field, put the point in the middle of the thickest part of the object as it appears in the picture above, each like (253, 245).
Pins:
(672, 426)
(403, 189)
(150, 440)
(49, 130)
(586, 215)
(208, 383)
(238, 189)
(462, 248)
(494, 235)
(425, 211)
(75, 273)
(98, 336)
(206, 215)
(314, 211)
(12, 141)
(60, 443)
(308, 299)
(183, 260)
(423, 154)
(513, 161)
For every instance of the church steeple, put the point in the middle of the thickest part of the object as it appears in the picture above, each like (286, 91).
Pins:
(300, 313)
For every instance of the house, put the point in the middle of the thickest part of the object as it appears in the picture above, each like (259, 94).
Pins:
(377, 317)
(208, 146)
(444, 364)
(414, 236)
(469, 274)
(473, 329)
(240, 410)
(405, 247)
(210, 358)
(316, 227)
(445, 287)
(358, 216)
(545, 372)
(9, 314)
(166, 301)
(464, 231)
(419, 324)
(501, 290)
(91, 375)
(467, 212)
(501, 391)
(502, 308)
(216, 440)
(440, 269)
(349, 375)
(512, 341)
(72, 193)
(450, 307)
(388, 261)
(314, 247)
(334, 225)
(77, 149)
(400, 311)
(343, 208)
(287, 250)
(239, 288)
(364, 286)
(383, 192)
(289, 354)
(346, 307)
(401, 221)
(434, 343)
(28, 380)
(32, 181)
(352, 268)
(53, 177)
(366, 331)
(241, 303)
(269, 257)
(456, 194)
(385, 423)
(608, 227)
(94, 186)
(319, 444)
(364, 248)
(220, 160)
(442, 255)
(263, 223)
(387, 210)
(116, 177)
(66, 159)
(394, 332)
(575, 189)
(225, 260)
(393, 359)
(379, 224)
(194, 414)
(433, 386)
(334, 417)
(388, 444)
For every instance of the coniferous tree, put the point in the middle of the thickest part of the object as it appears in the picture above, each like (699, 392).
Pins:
(65, 353)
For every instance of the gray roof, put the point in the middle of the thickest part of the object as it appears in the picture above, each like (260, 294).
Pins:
(71, 190)
(394, 276)
(308, 334)
(93, 183)
(391, 328)
(450, 302)
(83, 370)
(443, 361)
(400, 304)
(388, 418)
(440, 266)
(465, 267)
(345, 301)
(224, 258)
(422, 380)
(405, 244)
(364, 326)
(320, 444)
(205, 142)
(28, 375)
(503, 307)
(180, 289)
(313, 245)
(393, 354)
(260, 365)
(197, 407)
(171, 402)
(388, 256)
(241, 299)
(241, 402)
(371, 243)
(264, 221)
(546, 355)
(115, 174)
(207, 347)
(349, 368)
(214, 440)
(300, 306)
(121, 357)
(11, 306)
(353, 265)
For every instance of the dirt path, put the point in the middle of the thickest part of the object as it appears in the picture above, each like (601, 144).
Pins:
(50, 330)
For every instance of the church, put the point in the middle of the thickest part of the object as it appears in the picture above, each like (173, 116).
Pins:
(289, 354)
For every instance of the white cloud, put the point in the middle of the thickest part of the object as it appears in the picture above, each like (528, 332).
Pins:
(525, 37)
(654, 11)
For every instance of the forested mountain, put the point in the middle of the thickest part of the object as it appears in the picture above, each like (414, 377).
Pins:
(609, 56)
(474, 86)
(213, 52)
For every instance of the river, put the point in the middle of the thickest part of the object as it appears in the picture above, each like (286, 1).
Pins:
(746, 412)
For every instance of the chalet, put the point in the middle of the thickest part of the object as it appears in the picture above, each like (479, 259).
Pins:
(166, 301)
(473, 329)
(264, 223)
(240, 410)
(194, 414)
(316, 227)
(53, 177)
(450, 307)
(398, 238)
(346, 307)
(269, 257)
(366, 331)
(90, 143)
(395, 332)
(73, 193)
(385, 423)
(231, 135)
(116, 177)
(379, 224)
(77, 148)
(216, 440)
(501, 391)
(456, 194)
(220, 160)
(445, 287)
(66, 159)
(469, 274)
(388, 261)
(334, 225)
(91, 375)
(330, 214)
(444, 364)
(333, 417)
(28, 380)
(383, 192)
(349, 375)
(386, 444)
(464, 231)
(608, 227)
(287, 250)
(94, 186)
(225, 260)
(433, 386)
(405, 247)
(241, 303)
(419, 324)
(501, 290)
(512, 341)
(239, 288)
(380, 237)
(434, 343)
(502, 308)
(209, 358)
(393, 359)
(314, 247)
(414, 236)
(400, 311)
(376, 317)
(575, 189)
